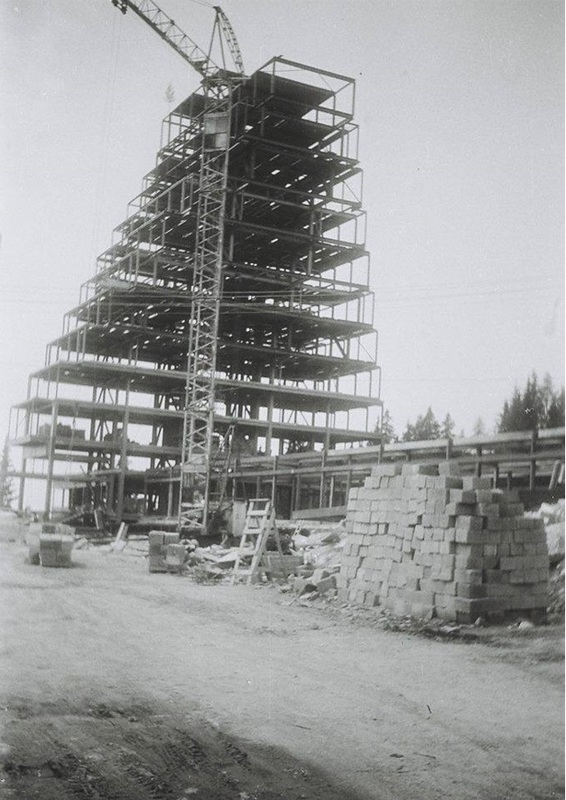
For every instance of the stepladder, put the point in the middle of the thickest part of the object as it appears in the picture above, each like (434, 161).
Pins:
(259, 525)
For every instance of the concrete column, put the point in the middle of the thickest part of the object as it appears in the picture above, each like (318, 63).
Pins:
(50, 462)
(123, 458)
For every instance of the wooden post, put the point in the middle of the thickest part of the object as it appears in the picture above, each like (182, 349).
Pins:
(478, 465)
(322, 480)
(533, 464)
(274, 482)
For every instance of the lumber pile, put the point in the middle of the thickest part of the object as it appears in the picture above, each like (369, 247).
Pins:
(424, 541)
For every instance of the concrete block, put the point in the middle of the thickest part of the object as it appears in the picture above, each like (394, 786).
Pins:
(473, 577)
(419, 469)
(389, 470)
(156, 563)
(449, 482)
(471, 591)
(438, 586)
(371, 599)
(445, 607)
(449, 468)
(468, 557)
(488, 509)
(496, 576)
(325, 584)
(468, 610)
(486, 496)
(469, 523)
(175, 555)
(462, 496)
(461, 509)
(511, 509)
(472, 482)
(155, 540)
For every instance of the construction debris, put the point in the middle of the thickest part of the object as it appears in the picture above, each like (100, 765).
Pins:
(553, 517)
(320, 544)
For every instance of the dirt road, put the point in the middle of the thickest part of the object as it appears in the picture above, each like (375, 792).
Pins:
(121, 684)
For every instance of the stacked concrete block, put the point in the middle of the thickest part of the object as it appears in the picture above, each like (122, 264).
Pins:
(158, 543)
(425, 541)
(175, 557)
(55, 549)
(50, 544)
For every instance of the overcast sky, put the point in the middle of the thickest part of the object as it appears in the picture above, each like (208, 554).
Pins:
(460, 107)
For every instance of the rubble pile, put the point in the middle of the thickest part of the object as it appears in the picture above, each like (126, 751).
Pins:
(552, 514)
(556, 590)
(553, 517)
(424, 541)
(311, 551)
(319, 547)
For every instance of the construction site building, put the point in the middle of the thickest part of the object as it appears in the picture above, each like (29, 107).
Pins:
(296, 346)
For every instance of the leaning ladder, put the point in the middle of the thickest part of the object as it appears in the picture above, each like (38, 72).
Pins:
(259, 525)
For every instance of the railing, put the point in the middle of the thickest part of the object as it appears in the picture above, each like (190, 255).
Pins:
(505, 455)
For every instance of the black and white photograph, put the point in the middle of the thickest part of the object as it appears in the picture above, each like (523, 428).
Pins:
(282, 405)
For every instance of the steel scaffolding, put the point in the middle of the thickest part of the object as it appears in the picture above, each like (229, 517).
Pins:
(233, 312)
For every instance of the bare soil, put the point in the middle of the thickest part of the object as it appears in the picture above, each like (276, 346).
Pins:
(121, 685)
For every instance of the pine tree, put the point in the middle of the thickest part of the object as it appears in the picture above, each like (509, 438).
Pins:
(387, 430)
(170, 94)
(538, 406)
(447, 428)
(479, 427)
(6, 492)
(555, 413)
(533, 409)
(426, 427)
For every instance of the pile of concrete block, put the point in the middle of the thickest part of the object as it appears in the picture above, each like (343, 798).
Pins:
(319, 581)
(50, 544)
(55, 550)
(424, 541)
(175, 557)
(158, 544)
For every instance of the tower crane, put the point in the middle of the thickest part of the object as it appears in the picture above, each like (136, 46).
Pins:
(206, 264)
(200, 60)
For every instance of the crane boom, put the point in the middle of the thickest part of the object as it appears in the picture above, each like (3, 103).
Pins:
(166, 27)
(230, 37)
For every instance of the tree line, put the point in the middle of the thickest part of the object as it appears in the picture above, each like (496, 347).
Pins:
(538, 406)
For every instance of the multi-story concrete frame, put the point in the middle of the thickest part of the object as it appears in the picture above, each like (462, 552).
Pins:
(296, 350)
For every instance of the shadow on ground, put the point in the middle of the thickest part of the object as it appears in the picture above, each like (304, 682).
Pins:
(115, 753)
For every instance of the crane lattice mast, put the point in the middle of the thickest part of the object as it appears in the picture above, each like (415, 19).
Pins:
(209, 258)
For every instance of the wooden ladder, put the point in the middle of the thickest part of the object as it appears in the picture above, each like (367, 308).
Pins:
(259, 524)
